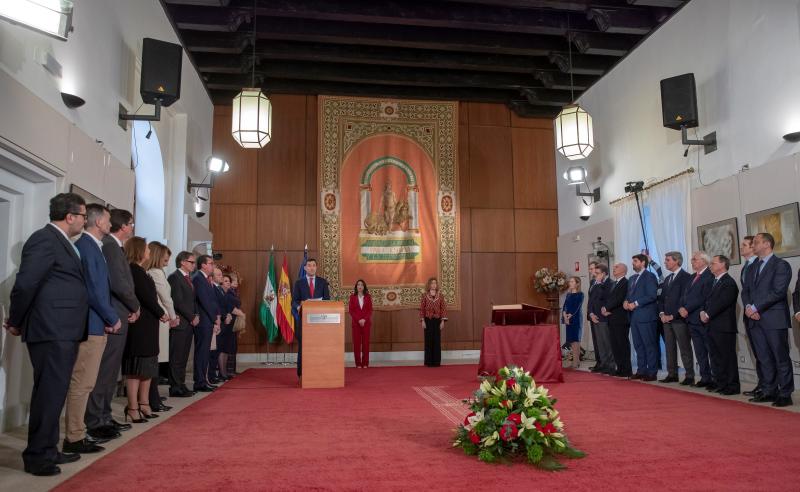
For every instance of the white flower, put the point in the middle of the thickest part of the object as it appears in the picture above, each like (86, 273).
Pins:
(516, 388)
(486, 386)
(489, 440)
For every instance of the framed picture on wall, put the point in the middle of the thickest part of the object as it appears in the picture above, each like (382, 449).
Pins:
(720, 238)
(89, 197)
(783, 223)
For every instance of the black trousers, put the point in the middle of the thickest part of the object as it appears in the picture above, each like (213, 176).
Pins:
(52, 369)
(621, 347)
(433, 342)
(180, 343)
(724, 365)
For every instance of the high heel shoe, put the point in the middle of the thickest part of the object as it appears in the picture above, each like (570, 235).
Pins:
(150, 415)
(140, 420)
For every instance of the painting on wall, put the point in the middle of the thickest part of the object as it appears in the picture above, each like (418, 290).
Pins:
(89, 197)
(720, 238)
(783, 223)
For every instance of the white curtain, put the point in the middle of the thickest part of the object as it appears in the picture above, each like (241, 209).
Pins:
(627, 231)
(670, 217)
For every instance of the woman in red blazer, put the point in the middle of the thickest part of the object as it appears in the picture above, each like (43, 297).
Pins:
(360, 308)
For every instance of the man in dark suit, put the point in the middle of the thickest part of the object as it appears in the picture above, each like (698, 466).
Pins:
(597, 299)
(180, 337)
(765, 297)
(676, 332)
(641, 303)
(719, 315)
(103, 318)
(748, 258)
(49, 309)
(694, 298)
(619, 320)
(209, 310)
(213, 361)
(311, 287)
(98, 418)
(595, 348)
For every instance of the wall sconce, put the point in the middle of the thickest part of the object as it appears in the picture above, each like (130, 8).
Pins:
(576, 175)
(72, 101)
(215, 166)
(793, 137)
(50, 17)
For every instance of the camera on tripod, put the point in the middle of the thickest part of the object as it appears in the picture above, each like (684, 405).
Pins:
(634, 186)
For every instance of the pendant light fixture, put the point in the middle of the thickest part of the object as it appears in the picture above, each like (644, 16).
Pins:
(251, 122)
(573, 125)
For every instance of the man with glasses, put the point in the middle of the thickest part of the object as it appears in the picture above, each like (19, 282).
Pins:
(49, 309)
(180, 337)
(209, 310)
(98, 418)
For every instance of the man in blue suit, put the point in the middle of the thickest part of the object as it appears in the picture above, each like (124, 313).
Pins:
(641, 302)
(103, 318)
(764, 296)
(694, 299)
(676, 331)
(49, 309)
(209, 310)
(311, 287)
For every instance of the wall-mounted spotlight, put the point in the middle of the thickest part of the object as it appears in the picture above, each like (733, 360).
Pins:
(72, 101)
(575, 175)
(50, 17)
(793, 137)
(215, 166)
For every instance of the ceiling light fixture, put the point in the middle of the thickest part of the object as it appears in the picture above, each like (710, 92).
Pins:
(573, 125)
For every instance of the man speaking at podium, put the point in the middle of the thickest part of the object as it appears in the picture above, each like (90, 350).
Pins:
(310, 287)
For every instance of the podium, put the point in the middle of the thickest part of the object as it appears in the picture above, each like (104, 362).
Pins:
(323, 344)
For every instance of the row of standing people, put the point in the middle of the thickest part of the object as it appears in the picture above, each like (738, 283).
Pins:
(698, 315)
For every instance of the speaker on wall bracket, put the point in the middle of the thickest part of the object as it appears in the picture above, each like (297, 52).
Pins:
(679, 109)
(160, 82)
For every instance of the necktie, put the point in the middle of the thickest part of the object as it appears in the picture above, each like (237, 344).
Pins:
(760, 269)
(311, 286)
(635, 279)
(210, 282)
(188, 281)
(716, 281)
(696, 278)
(744, 271)
(669, 279)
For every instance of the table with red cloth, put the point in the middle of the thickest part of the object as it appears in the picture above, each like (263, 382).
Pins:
(536, 348)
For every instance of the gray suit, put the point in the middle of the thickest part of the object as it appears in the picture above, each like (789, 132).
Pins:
(123, 298)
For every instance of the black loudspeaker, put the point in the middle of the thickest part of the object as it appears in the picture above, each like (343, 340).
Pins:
(161, 72)
(679, 101)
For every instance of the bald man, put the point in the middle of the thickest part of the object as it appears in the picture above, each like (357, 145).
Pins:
(619, 321)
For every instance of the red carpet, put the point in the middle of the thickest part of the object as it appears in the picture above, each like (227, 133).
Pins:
(259, 432)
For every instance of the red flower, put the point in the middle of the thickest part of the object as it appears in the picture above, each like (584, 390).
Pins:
(511, 382)
(509, 431)
(466, 419)
(515, 418)
(507, 403)
(475, 438)
(547, 429)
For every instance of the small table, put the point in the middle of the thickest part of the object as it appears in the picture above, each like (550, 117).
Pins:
(536, 348)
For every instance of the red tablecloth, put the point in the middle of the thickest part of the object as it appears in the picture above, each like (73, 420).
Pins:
(537, 349)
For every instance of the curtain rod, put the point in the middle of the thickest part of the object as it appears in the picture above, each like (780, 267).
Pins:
(651, 185)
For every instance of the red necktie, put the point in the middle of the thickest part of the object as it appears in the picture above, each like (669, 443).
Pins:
(311, 286)
(188, 281)
(696, 278)
(210, 282)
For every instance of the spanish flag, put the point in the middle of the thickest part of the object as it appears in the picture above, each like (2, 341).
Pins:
(285, 318)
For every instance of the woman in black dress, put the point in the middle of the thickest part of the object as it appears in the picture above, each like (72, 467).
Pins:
(140, 358)
(226, 340)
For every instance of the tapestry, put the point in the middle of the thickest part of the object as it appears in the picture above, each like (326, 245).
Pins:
(388, 179)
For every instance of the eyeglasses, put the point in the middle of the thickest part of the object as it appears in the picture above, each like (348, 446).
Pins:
(189, 261)
(85, 217)
(131, 224)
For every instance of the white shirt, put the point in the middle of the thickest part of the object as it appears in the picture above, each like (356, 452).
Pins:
(61, 231)
(116, 239)
(98, 242)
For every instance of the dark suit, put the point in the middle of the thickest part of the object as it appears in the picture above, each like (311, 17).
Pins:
(597, 299)
(301, 292)
(721, 309)
(642, 289)
(208, 309)
(180, 337)
(124, 301)
(595, 348)
(49, 306)
(744, 276)
(694, 298)
(766, 290)
(676, 332)
(619, 325)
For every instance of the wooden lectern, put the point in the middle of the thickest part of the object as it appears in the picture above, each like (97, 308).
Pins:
(323, 344)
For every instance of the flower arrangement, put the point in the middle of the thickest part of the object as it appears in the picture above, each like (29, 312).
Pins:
(511, 416)
(547, 281)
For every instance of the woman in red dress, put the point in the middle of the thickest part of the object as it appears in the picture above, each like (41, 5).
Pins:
(360, 308)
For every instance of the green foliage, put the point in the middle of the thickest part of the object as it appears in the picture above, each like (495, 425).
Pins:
(535, 453)
(571, 452)
(486, 456)
(498, 416)
(548, 462)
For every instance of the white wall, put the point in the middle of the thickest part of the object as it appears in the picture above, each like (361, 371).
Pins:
(744, 55)
(101, 62)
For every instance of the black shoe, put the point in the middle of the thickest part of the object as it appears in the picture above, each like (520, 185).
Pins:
(687, 382)
(762, 398)
(105, 432)
(118, 426)
(711, 388)
(162, 408)
(92, 440)
(728, 392)
(179, 393)
(622, 374)
(702, 384)
(782, 401)
(636, 376)
(82, 447)
(595, 369)
(752, 392)
(649, 378)
(669, 379)
(46, 470)
(203, 389)
(162, 381)
(62, 458)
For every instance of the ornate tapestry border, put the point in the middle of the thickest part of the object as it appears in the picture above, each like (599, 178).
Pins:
(343, 122)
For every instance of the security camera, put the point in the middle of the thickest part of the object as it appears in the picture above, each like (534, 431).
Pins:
(199, 214)
(585, 217)
(634, 186)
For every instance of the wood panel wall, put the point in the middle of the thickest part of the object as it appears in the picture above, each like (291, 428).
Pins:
(509, 218)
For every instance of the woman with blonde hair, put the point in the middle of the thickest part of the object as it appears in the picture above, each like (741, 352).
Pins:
(432, 315)
(571, 317)
(140, 357)
(159, 259)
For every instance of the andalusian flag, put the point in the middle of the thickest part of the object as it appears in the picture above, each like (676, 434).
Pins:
(284, 314)
(269, 302)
